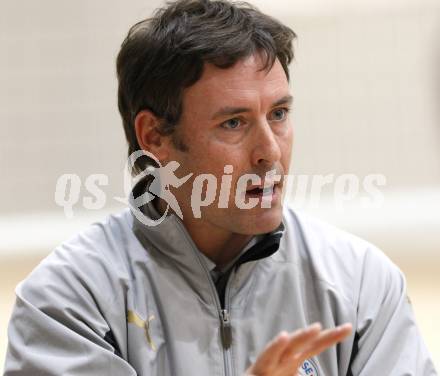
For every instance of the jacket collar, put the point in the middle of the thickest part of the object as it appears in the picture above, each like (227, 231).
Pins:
(171, 237)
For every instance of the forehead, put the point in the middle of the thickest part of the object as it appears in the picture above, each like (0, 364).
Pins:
(242, 84)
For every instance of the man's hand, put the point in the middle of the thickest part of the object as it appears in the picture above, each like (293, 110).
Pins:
(286, 352)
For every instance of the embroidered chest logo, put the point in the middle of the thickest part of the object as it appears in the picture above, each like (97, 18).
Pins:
(133, 318)
(308, 368)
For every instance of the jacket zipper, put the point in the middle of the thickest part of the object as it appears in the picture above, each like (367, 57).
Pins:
(227, 328)
(225, 320)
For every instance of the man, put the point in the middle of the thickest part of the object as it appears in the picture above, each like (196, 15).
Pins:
(226, 288)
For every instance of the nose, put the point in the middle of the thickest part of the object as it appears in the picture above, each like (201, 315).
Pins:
(266, 150)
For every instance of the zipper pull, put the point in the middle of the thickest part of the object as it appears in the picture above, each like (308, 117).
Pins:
(226, 329)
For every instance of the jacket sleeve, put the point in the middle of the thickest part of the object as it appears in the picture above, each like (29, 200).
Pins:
(387, 339)
(59, 323)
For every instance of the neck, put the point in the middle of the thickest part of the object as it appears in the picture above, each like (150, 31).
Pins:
(217, 244)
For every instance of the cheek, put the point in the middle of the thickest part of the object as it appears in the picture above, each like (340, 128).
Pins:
(217, 155)
(287, 145)
(203, 159)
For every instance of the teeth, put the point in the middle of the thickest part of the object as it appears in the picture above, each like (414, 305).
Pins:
(268, 191)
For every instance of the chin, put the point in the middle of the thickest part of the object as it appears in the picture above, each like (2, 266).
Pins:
(263, 221)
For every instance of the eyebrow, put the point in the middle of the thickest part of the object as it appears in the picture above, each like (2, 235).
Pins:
(229, 111)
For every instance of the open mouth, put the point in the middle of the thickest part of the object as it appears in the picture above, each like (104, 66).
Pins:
(260, 192)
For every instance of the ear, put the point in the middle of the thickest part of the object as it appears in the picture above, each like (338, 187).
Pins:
(146, 126)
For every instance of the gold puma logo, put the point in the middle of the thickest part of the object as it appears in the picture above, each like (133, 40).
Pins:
(134, 318)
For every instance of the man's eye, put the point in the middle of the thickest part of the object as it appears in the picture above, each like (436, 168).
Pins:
(279, 114)
(231, 123)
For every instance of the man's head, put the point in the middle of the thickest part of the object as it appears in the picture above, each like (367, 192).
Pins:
(205, 83)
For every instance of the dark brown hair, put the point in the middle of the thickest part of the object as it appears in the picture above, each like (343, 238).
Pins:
(163, 55)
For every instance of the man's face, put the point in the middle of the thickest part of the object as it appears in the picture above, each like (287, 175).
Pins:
(236, 116)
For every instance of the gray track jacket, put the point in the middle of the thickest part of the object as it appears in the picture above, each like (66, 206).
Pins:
(122, 298)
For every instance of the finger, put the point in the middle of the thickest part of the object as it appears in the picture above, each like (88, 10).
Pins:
(300, 339)
(326, 339)
(271, 353)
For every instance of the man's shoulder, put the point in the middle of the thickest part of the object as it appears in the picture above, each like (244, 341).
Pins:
(107, 239)
(322, 238)
(95, 258)
(335, 256)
